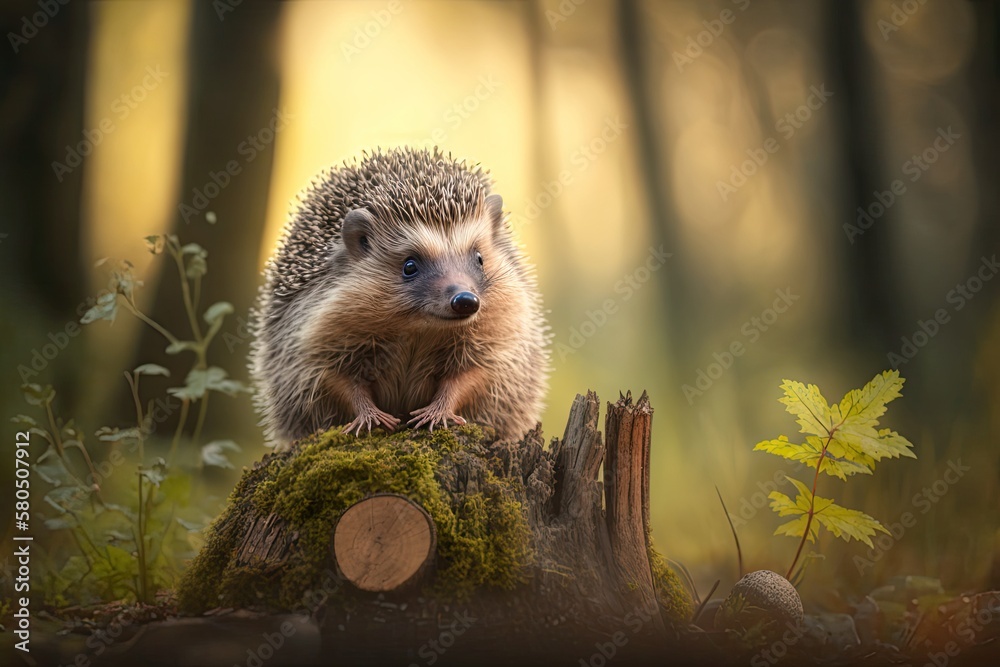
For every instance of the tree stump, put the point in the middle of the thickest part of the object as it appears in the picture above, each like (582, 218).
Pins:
(419, 548)
(383, 543)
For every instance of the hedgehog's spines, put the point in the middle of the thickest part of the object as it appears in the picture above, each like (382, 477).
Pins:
(307, 333)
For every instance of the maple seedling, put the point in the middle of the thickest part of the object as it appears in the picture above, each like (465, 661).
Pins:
(841, 440)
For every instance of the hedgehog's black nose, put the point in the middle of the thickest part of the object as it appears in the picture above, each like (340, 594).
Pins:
(465, 303)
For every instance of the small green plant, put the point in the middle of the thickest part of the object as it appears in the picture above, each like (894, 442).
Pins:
(130, 533)
(192, 265)
(123, 550)
(841, 440)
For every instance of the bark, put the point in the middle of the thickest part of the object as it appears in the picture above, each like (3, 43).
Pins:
(589, 576)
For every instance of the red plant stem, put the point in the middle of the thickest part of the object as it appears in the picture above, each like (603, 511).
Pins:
(812, 505)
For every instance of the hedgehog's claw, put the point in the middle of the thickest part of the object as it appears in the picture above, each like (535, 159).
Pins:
(433, 415)
(370, 418)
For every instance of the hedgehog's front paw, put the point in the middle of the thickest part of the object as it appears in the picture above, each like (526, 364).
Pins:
(369, 418)
(433, 415)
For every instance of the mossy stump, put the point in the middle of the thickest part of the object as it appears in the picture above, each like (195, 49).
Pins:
(532, 558)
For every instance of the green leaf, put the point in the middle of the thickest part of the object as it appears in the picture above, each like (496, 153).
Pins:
(67, 496)
(106, 308)
(155, 473)
(796, 527)
(193, 249)
(842, 522)
(53, 471)
(847, 523)
(213, 454)
(197, 265)
(67, 444)
(117, 536)
(123, 281)
(201, 380)
(24, 420)
(155, 244)
(808, 454)
(217, 311)
(37, 394)
(868, 446)
(868, 404)
(62, 522)
(41, 433)
(181, 345)
(71, 432)
(108, 434)
(151, 369)
(112, 508)
(779, 447)
(798, 508)
(190, 526)
(811, 410)
(848, 429)
(855, 436)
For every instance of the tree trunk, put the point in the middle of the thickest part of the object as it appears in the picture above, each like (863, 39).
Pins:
(41, 117)
(234, 96)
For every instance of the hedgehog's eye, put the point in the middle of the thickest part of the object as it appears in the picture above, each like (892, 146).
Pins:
(409, 268)
(365, 245)
(479, 258)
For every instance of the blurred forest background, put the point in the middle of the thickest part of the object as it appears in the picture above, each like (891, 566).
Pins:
(741, 137)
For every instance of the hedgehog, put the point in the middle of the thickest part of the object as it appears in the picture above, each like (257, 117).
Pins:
(398, 294)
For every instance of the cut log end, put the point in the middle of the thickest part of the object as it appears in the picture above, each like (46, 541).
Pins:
(383, 543)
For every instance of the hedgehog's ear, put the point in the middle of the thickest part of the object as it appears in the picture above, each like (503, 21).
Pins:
(494, 210)
(356, 231)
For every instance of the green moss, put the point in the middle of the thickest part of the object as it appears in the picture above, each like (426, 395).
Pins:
(483, 537)
(670, 591)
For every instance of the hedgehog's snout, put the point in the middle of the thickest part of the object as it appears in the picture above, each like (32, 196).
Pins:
(465, 304)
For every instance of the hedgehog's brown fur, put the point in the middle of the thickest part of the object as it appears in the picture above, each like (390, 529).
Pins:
(341, 337)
